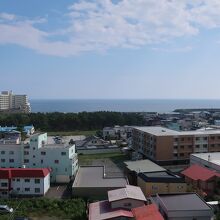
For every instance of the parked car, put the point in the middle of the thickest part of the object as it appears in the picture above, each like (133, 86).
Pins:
(5, 209)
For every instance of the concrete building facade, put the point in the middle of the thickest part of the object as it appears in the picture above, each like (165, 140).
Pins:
(10, 101)
(165, 145)
(41, 151)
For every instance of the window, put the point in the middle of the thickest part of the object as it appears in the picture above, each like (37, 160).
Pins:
(18, 180)
(175, 147)
(189, 146)
(181, 154)
(33, 156)
(2, 160)
(182, 139)
(212, 145)
(41, 161)
(197, 138)
(213, 137)
(27, 189)
(189, 138)
(205, 145)
(43, 153)
(18, 189)
(182, 146)
(205, 138)
(26, 152)
(4, 184)
(26, 161)
(63, 153)
(56, 161)
(2, 152)
(26, 180)
(11, 160)
(37, 181)
(176, 139)
(33, 148)
(197, 146)
(34, 164)
(11, 152)
(37, 190)
(4, 193)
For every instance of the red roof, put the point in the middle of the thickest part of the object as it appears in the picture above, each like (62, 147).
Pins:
(7, 173)
(102, 211)
(149, 212)
(197, 172)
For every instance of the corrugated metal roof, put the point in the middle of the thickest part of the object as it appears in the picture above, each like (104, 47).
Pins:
(197, 172)
(149, 212)
(6, 173)
(130, 192)
(102, 210)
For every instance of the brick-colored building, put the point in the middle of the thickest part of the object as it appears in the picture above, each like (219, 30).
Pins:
(166, 146)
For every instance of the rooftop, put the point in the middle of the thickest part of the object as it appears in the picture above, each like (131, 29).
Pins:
(94, 176)
(148, 212)
(143, 166)
(183, 202)
(197, 172)
(210, 157)
(161, 131)
(102, 210)
(130, 192)
(163, 176)
(6, 173)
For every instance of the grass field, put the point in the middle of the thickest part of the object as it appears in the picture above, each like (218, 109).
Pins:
(70, 133)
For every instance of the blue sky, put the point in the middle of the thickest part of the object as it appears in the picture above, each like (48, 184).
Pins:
(133, 49)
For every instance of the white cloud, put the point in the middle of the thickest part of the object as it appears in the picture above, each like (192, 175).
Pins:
(101, 24)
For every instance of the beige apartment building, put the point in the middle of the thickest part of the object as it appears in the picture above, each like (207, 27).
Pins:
(165, 145)
(11, 102)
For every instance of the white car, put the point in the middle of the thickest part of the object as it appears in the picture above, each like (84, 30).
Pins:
(5, 209)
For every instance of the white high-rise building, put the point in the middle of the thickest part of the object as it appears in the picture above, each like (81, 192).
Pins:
(10, 102)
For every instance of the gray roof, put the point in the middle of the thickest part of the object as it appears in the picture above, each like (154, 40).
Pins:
(183, 202)
(143, 166)
(213, 157)
(161, 131)
(130, 192)
(94, 176)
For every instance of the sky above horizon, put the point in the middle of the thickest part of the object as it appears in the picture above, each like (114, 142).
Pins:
(107, 49)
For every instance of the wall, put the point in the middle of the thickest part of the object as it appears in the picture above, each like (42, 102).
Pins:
(150, 188)
(98, 151)
(127, 204)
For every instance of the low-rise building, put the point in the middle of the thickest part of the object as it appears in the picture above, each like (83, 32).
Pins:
(152, 183)
(40, 151)
(119, 204)
(24, 182)
(187, 206)
(201, 178)
(167, 146)
(133, 168)
(117, 132)
(92, 182)
(209, 160)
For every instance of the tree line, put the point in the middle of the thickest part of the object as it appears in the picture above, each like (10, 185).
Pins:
(57, 121)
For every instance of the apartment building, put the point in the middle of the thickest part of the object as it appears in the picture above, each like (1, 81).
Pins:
(10, 102)
(40, 151)
(167, 146)
(24, 182)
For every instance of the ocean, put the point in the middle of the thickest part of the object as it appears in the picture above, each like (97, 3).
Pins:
(120, 105)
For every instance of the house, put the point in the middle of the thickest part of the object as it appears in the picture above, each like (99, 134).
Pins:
(128, 198)
(201, 178)
(133, 168)
(119, 204)
(152, 183)
(147, 212)
(95, 145)
(24, 181)
(92, 182)
(183, 206)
